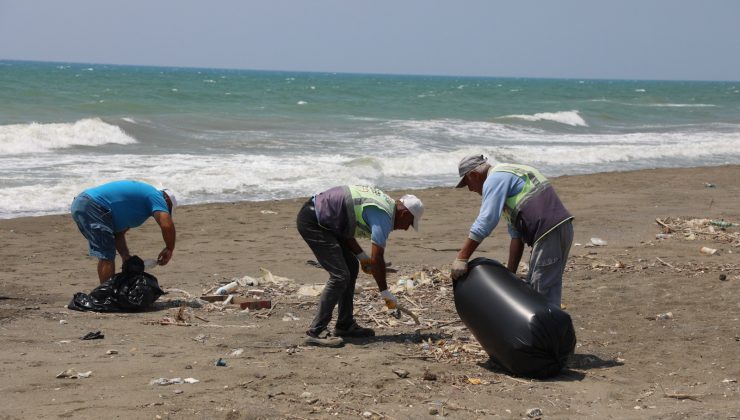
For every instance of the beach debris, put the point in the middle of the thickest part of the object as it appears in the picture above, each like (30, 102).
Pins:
(664, 317)
(311, 290)
(237, 352)
(400, 308)
(228, 288)
(729, 381)
(74, 374)
(290, 317)
(716, 230)
(168, 321)
(93, 335)
(404, 283)
(723, 277)
(174, 290)
(62, 321)
(662, 236)
(268, 212)
(110, 352)
(271, 278)
(220, 362)
(401, 373)
(150, 263)
(534, 413)
(172, 381)
(721, 223)
(598, 242)
(708, 251)
(177, 391)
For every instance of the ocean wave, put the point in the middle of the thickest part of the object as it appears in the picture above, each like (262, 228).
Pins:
(52, 180)
(572, 118)
(459, 129)
(42, 138)
(679, 105)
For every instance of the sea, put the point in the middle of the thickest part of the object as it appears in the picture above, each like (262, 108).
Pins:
(222, 135)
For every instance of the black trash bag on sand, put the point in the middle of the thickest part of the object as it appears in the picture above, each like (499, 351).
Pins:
(131, 290)
(514, 324)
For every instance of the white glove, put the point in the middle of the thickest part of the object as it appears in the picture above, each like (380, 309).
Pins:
(459, 268)
(366, 263)
(390, 299)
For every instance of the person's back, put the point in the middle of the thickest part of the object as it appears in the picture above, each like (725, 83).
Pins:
(131, 202)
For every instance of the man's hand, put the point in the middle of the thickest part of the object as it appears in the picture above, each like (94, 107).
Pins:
(164, 256)
(459, 268)
(391, 301)
(366, 263)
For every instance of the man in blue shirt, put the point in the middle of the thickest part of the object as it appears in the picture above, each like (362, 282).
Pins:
(105, 213)
(535, 216)
(329, 222)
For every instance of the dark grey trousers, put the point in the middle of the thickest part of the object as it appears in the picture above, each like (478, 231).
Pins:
(335, 257)
(547, 263)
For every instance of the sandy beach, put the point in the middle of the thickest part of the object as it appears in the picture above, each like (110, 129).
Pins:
(627, 363)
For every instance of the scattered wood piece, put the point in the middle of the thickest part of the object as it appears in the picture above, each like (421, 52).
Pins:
(680, 396)
(667, 264)
(684, 396)
(666, 228)
(201, 318)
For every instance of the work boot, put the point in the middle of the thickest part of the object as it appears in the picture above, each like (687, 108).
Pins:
(354, 330)
(323, 339)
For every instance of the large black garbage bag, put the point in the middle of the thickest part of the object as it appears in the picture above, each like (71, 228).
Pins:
(515, 325)
(131, 290)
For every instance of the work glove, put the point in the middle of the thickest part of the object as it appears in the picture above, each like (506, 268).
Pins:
(366, 263)
(459, 268)
(391, 301)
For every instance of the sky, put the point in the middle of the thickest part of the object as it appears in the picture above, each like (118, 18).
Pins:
(625, 39)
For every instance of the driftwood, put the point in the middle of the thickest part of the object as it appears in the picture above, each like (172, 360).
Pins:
(666, 264)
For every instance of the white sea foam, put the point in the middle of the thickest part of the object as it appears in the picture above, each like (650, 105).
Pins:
(236, 177)
(39, 138)
(403, 154)
(572, 118)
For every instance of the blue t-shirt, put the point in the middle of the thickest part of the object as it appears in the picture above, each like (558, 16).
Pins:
(497, 187)
(380, 224)
(130, 202)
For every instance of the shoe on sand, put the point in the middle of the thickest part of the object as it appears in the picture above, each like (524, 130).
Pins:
(323, 340)
(354, 330)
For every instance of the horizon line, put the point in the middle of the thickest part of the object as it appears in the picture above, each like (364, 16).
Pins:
(364, 73)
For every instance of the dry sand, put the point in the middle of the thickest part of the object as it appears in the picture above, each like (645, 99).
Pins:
(627, 364)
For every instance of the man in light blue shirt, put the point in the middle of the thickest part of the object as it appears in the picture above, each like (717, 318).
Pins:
(535, 215)
(105, 213)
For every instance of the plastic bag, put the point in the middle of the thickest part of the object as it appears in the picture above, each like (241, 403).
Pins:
(131, 290)
(513, 323)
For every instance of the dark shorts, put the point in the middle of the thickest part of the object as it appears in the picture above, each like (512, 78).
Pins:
(96, 225)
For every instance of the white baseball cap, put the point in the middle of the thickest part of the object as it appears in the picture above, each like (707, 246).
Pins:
(415, 206)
